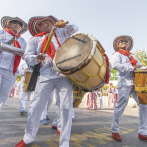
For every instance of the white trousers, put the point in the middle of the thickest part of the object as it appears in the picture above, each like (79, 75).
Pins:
(123, 96)
(7, 80)
(44, 113)
(101, 101)
(63, 88)
(24, 97)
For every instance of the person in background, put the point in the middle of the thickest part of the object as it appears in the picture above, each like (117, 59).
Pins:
(111, 96)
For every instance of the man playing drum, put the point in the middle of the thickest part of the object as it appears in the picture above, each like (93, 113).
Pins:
(125, 63)
(49, 80)
(10, 34)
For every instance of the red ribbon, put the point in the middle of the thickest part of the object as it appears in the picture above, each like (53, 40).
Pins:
(127, 53)
(107, 71)
(16, 44)
(51, 49)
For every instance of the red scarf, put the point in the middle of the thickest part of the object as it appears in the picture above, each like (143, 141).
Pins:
(51, 49)
(16, 44)
(127, 53)
(107, 71)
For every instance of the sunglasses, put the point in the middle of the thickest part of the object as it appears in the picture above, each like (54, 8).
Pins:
(121, 41)
(16, 22)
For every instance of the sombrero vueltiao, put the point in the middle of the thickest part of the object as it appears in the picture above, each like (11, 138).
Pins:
(117, 40)
(6, 19)
(34, 21)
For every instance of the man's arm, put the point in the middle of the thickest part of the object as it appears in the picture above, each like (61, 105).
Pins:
(69, 29)
(30, 55)
(116, 63)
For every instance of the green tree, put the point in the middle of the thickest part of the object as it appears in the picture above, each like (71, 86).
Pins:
(142, 56)
(113, 74)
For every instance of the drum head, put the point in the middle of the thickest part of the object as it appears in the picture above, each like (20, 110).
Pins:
(73, 52)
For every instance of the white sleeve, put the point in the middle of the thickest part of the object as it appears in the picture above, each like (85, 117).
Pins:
(69, 29)
(30, 55)
(116, 63)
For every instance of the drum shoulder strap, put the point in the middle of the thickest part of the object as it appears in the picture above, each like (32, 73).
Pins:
(12, 40)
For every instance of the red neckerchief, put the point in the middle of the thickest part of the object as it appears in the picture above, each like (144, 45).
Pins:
(127, 53)
(51, 49)
(16, 44)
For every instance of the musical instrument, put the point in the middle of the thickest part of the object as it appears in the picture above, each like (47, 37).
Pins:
(141, 85)
(28, 74)
(78, 95)
(36, 69)
(81, 59)
(11, 49)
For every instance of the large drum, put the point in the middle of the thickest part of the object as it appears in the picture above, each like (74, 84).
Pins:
(141, 85)
(28, 74)
(81, 59)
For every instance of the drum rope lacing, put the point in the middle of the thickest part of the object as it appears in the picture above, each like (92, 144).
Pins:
(90, 76)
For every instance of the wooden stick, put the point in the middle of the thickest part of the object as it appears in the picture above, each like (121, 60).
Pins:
(49, 39)
(51, 35)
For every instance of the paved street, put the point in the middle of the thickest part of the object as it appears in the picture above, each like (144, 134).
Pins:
(91, 128)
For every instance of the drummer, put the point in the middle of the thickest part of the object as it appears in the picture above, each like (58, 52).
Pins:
(125, 63)
(49, 80)
(13, 27)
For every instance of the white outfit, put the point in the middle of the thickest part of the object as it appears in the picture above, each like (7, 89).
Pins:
(101, 97)
(7, 79)
(24, 97)
(48, 104)
(126, 88)
(49, 80)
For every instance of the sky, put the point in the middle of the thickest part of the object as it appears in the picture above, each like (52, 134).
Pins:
(104, 19)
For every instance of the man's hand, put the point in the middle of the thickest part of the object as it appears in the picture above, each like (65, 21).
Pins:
(40, 57)
(136, 66)
(58, 22)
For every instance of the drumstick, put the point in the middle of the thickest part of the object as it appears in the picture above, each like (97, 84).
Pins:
(63, 23)
(51, 35)
(49, 39)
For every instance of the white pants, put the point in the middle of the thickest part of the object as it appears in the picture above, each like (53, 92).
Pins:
(7, 80)
(24, 97)
(44, 113)
(123, 96)
(63, 88)
(101, 101)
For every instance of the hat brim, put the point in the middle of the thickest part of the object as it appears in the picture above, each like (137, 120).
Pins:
(6, 19)
(117, 40)
(34, 21)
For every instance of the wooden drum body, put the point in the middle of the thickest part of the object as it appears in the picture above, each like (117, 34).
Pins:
(28, 74)
(80, 58)
(141, 85)
(78, 95)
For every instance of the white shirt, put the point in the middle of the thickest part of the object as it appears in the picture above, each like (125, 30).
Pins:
(125, 70)
(34, 47)
(22, 68)
(7, 59)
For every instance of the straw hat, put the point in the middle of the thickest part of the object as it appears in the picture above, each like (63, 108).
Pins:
(6, 19)
(34, 21)
(117, 40)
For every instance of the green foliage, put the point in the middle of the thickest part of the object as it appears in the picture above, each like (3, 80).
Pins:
(113, 74)
(142, 56)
